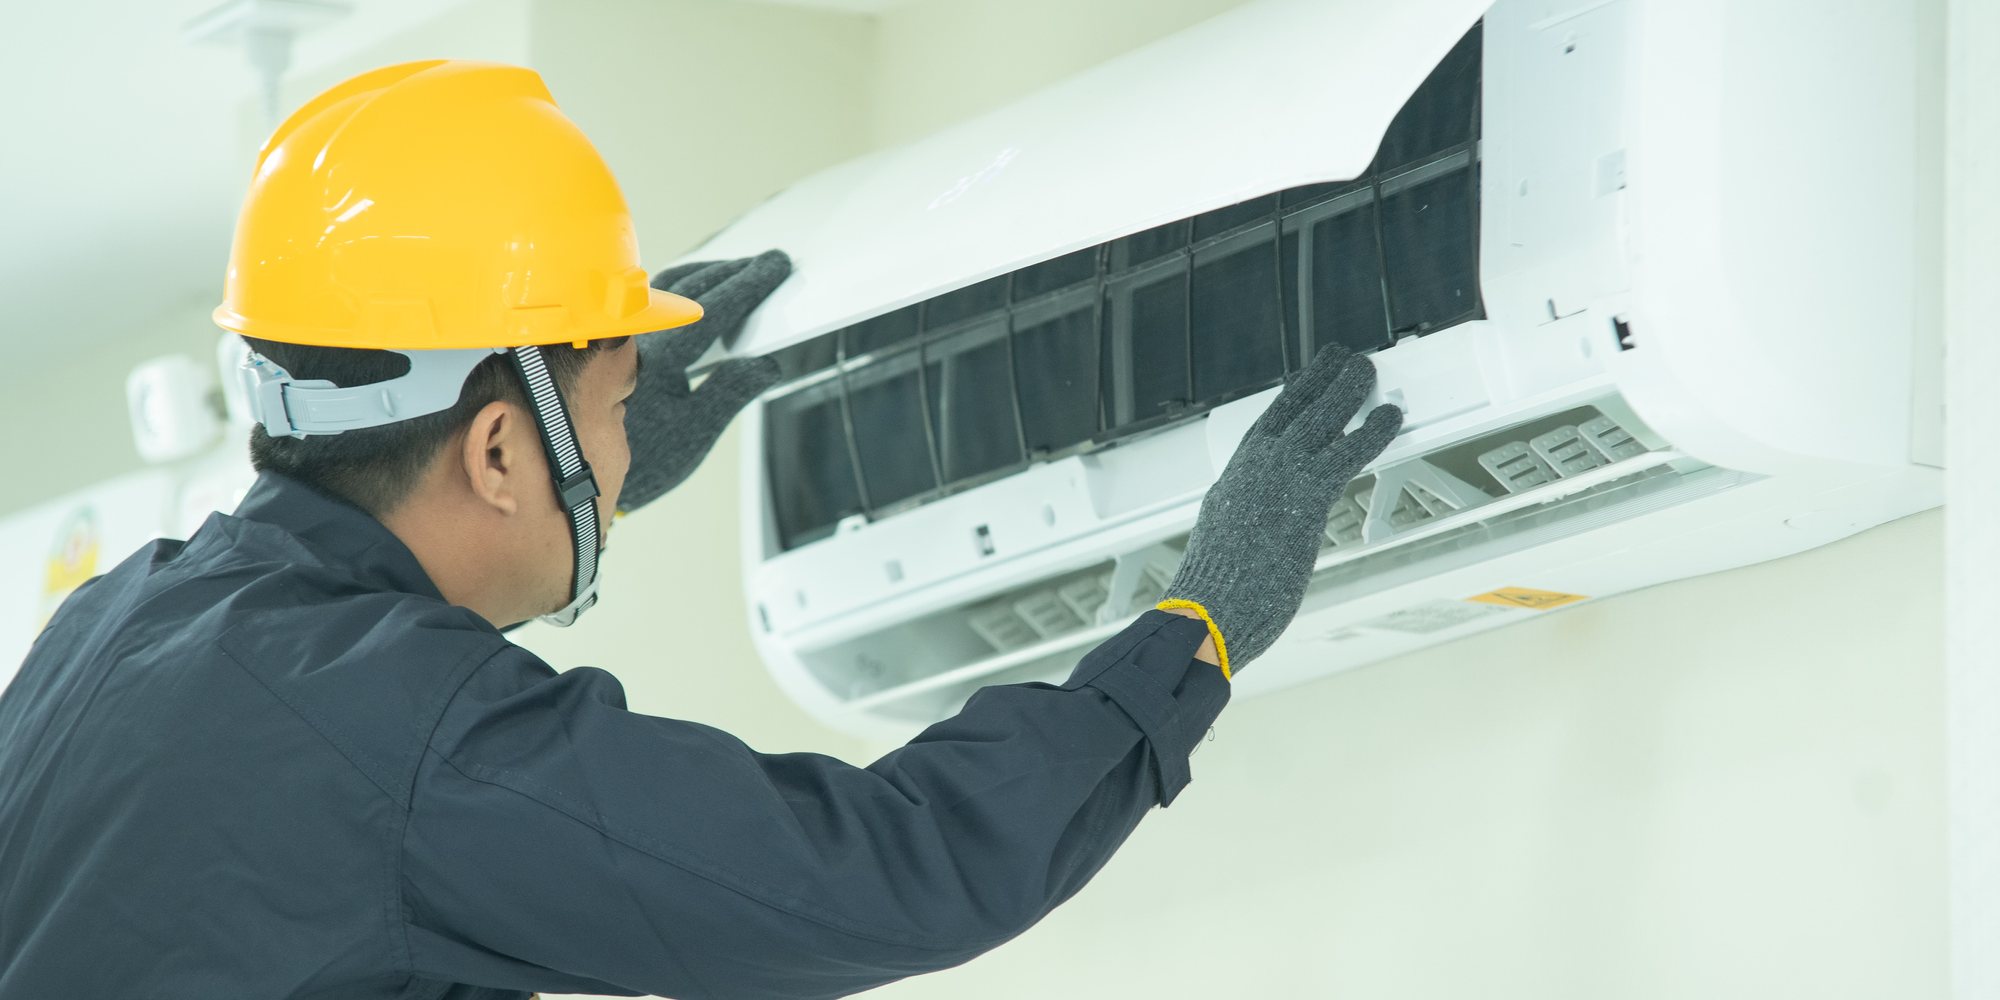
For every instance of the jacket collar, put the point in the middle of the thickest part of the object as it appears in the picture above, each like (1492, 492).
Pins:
(337, 531)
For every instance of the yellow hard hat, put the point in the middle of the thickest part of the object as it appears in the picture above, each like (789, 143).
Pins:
(437, 205)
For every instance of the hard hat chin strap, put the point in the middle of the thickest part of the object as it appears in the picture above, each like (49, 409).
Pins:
(576, 488)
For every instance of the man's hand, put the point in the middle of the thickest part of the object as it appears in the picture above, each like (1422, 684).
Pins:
(671, 425)
(1260, 526)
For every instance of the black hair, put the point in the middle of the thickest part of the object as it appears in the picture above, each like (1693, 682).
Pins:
(376, 468)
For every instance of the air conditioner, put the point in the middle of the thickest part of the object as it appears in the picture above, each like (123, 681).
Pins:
(1653, 280)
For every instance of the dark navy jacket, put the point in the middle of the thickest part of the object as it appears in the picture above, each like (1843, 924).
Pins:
(272, 761)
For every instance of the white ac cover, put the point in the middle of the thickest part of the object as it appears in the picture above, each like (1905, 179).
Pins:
(1653, 280)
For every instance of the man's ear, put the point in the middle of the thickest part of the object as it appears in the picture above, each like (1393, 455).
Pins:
(492, 454)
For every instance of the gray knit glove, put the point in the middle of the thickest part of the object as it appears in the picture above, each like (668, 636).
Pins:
(1260, 526)
(671, 425)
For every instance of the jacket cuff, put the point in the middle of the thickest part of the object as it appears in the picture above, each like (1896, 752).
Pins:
(1150, 673)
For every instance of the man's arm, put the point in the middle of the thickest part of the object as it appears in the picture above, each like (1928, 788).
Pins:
(557, 841)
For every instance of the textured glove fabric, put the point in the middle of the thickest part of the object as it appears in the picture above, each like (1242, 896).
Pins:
(670, 424)
(1260, 526)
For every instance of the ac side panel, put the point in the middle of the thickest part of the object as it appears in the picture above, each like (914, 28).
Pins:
(1774, 177)
(1265, 97)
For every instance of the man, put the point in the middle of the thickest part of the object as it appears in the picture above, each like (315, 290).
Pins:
(294, 756)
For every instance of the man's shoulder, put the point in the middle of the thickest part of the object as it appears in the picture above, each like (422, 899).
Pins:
(370, 668)
(372, 671)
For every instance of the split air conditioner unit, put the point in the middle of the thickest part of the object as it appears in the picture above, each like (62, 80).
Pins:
(1653, 280)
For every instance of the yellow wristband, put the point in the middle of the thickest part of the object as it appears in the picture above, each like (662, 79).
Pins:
(1214, 631)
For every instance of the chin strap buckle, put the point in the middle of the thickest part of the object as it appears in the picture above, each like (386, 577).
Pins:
(264, 385)
(577, 489)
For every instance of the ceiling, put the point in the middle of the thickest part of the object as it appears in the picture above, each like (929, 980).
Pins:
(126, 152)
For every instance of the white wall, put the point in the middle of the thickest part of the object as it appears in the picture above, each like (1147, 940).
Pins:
(705, 108)
(66, 409)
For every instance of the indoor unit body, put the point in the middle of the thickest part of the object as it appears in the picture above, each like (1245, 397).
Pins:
(1648, 278)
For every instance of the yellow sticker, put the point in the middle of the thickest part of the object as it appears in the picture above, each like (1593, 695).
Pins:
(1527, 597)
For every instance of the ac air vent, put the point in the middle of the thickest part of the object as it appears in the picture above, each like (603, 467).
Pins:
(1409, 518)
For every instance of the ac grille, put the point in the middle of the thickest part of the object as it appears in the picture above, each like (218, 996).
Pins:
(1077, 352)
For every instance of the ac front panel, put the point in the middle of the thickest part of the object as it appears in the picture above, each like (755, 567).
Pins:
(1266, 97)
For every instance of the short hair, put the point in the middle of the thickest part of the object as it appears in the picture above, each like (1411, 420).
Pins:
(376, 468)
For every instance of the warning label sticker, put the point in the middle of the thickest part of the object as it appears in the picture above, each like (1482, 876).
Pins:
(1526, 597)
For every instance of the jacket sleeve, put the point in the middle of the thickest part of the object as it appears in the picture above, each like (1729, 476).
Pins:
(557, 841)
